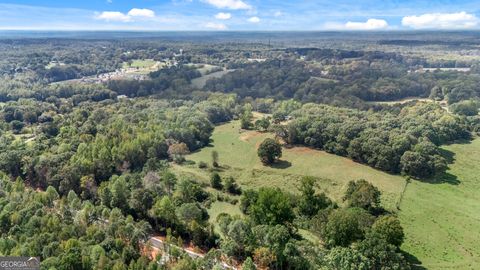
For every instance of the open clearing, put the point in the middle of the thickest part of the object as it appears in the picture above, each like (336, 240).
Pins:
(140, 63)
(219, 207)
(142, 66)
(238, 158)
(401, 101)
(201, 81)
(443, 104)
(204, 69)
(208, 72)
(442, 220)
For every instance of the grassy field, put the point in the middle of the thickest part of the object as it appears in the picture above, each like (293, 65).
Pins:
(201, 81)
(238, 158)
(140, 63)
(142, 66)
(401, 101)
(222, 207)
(204, 69)
(53, 64)
(442, 219)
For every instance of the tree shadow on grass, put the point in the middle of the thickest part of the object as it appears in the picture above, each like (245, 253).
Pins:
(449, 156)
(448, 178)
(414, 261)
(188, 162)
(220, 168)
(445, 176)
(281, 164)
(441, 178)
(460, 141)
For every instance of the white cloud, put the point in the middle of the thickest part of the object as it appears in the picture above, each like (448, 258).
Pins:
(223, 16)
(114, 16)
(254, 19)
(228, 4)
(216, 26)
(459, 20)
(370, 24)
(278, 14)
(141, 12)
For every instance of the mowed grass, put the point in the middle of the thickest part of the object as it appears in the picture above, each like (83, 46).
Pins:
(238, 158)
(140, 63)
(442, 219)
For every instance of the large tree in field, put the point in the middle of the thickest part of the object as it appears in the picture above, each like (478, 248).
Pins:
(269, 151)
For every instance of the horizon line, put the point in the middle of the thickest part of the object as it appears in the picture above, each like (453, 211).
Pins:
(233, 31)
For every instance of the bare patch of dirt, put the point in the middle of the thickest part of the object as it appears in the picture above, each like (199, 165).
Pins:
(259, 115)
(246, 136)
(305, 150)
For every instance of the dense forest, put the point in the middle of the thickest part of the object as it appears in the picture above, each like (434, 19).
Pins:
(404, 141)
(346, 82)
(88, 164)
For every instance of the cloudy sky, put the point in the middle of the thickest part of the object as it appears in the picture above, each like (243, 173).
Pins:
(225, 15)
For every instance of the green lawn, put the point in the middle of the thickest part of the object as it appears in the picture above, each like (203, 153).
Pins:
(442, 220)
(140, 63)
(238, 158)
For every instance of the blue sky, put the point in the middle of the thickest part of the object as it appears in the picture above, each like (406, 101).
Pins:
(225, 15)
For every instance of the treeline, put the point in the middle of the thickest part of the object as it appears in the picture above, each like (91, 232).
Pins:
(275, 78)
(28, 88)
(456, 86)
(405, 141)
(100, 140)
(345, 82)
(177, 79)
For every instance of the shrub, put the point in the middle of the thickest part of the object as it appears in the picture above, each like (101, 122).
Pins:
(231, 186)
(202, 165)
(216, 181)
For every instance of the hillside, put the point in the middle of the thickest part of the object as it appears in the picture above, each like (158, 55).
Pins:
(238, 158)
(441, 217)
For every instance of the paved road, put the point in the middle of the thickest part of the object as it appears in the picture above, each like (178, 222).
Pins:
(160, 244)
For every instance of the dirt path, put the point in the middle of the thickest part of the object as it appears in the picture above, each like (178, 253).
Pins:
(247, 135)
(159, 244)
